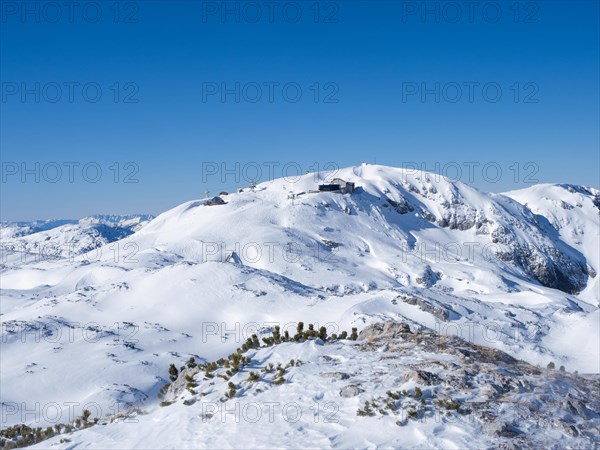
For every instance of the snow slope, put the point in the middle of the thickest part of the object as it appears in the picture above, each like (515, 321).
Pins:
(571, 214)
(103, 326)
(420, 391)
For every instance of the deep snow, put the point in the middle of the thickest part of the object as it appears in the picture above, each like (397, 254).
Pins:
(103, 326)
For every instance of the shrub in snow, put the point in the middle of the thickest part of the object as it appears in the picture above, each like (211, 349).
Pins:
(173, 372)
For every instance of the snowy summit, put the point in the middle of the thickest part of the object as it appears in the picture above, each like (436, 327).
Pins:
(475, 318)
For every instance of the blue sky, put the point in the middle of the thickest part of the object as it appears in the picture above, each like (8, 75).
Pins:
(145, 92)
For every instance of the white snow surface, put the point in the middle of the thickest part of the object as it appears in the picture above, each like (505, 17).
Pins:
(103, 326)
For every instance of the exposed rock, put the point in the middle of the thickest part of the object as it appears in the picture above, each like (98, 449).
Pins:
(421, 377)
(351, 390)
(336, 375)
(215, 201)
(427, 306)
(395, 374)
(330, 244)
(402, 206)
(428, 277)
(596, 201)
(179, 385)
(547, 265)
(384, 330)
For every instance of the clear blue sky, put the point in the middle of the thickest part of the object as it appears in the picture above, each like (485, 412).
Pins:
(162, 119)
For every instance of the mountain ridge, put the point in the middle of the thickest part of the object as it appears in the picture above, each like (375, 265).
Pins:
(406, 246)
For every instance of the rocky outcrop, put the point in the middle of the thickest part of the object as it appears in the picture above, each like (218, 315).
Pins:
(515, 403)
(215, 201)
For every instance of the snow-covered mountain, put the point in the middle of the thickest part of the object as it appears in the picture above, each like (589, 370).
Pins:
(570, 213)
(51, 239)
(515, 272)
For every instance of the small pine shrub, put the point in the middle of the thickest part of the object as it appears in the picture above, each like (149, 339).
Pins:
(173, 372)
(323, 333)
(366, 411)
(418, 392)
(449, 404)
(232, 390)
(393, 396)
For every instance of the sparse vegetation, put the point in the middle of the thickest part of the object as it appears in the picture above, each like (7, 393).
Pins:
(323, 333)
(279, 381)
(236, 361)
(232, 390)
(21, 435)
(366, 411)
(449, 404)
(393, 395)
(173, 372)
